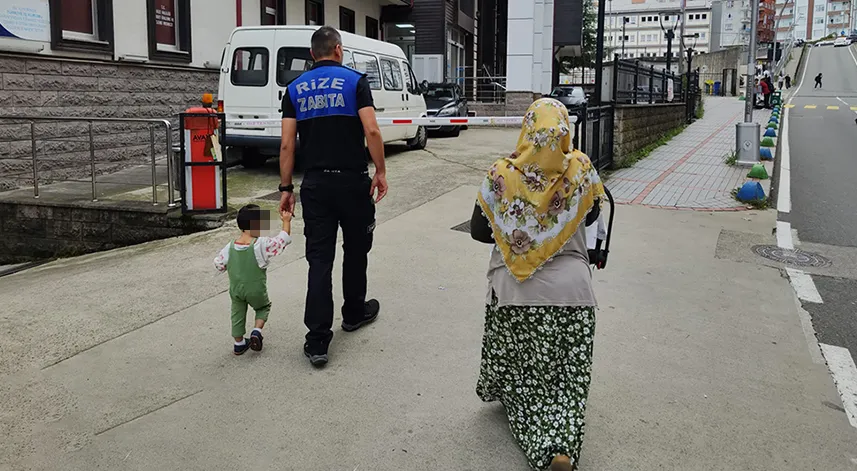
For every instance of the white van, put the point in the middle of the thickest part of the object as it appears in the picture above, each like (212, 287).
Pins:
(259, 61)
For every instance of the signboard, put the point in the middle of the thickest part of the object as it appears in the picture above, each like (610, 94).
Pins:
(25, 19)
(670, 92)
(165, 22)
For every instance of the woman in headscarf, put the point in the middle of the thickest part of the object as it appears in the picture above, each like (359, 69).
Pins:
(540, 313)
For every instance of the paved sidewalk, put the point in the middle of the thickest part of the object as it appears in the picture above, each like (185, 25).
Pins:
(689, 172)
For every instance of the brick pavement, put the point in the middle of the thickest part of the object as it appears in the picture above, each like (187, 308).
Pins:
(689, 171)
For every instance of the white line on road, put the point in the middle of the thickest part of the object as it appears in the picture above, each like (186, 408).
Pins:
(843, 101)
(809, 333)
(804, 286)
(844, 372)
(803, 75)
(784, 190)
(784, 235)
(852, 56)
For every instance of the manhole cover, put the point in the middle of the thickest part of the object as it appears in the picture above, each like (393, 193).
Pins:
(275, 196)
(463, 227)
(795, 257)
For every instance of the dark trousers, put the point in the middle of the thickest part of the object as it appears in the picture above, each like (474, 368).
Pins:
(330, 201)
(817, 84)
(767, 100)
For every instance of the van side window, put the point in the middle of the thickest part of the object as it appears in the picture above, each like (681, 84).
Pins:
(414, 88)
(291, 63)
(392, 74)
(250, 67)
(347, 59)
(368, 65)
(409, 84)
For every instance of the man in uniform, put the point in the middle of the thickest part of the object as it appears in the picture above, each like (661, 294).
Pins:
(331, 107)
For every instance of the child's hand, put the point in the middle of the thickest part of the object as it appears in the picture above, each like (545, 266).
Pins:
(285, 216)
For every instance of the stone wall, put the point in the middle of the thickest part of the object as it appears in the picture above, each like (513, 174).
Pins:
(636, 126)
(518, 102)
(33, 230)
(50, 87)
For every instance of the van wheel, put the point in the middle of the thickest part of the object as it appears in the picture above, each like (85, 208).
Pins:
(420, 140)
(251, 158)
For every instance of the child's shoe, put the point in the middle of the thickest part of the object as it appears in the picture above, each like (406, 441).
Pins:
(256, 340)
(240, 349)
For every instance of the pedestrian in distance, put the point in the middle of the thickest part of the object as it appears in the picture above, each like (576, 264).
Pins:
(246, 261)
(788, 81)
(781, 81)
(540, 307)
(330, 106)
(817, 81)
(766, 92)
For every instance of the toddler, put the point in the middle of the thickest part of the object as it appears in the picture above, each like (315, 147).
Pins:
(246, 260)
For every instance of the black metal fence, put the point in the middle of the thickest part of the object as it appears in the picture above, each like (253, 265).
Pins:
(636, 83)
(599, 147)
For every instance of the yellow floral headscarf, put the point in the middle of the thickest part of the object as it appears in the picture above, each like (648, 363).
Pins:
(536, 198)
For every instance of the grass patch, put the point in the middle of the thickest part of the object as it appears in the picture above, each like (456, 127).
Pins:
(731, 159)
(700, 108)
(641, 154)
(755, 204)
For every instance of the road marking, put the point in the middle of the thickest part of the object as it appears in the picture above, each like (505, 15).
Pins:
(844, 372)
(832, 107)
(802, 76)
(804, 286)
(784, 197)
(843, 101)
(784, 235)
(852, 57)
(809, 107)
(795, 239)
(854, 108)
(790, 105)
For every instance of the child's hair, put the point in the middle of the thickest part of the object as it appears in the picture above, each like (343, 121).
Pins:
(249, 217)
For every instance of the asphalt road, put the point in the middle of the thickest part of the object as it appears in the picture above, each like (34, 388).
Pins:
(823, 152)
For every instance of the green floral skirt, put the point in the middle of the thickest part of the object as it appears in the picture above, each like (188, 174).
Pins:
(536, 360)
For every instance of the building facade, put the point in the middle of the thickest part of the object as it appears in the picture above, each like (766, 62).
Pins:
(636, 29)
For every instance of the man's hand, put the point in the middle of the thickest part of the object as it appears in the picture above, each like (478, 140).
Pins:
(379, 182)
(287, 202)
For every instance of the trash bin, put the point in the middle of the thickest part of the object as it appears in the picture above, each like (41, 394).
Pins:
(776, 99)
(717, 88)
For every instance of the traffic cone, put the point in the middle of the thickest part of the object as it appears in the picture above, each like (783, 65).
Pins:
(765, 154)
(758, 172)
(774, 119)
(768, 142)
(770, 132)
(750, 191)
(773, 126)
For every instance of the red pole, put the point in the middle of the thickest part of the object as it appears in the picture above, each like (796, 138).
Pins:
(238, 12)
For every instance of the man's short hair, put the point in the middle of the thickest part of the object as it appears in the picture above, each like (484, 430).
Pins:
(324, 41)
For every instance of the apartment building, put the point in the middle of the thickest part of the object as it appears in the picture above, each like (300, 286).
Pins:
(730, 23)
(636, 29)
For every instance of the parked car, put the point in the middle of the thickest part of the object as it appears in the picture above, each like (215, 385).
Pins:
(444, 100)
(260, 61)
(841, 41)
(573, 98)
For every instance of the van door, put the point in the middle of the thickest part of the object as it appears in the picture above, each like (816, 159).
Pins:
(367, 63)
(394, 86)
(412, 99)
(247, 79)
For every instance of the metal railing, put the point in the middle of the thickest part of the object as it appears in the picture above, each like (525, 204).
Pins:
(152, 124)
(482, 89)
(634, 83)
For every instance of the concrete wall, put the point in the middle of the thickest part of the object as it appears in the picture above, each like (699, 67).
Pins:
(32, 230)
(636, 126)
(711, 64)
(38, 87)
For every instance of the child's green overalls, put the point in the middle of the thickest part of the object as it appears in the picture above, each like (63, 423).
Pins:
(248, 284)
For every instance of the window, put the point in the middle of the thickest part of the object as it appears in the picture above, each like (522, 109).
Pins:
(392, 75)
(410, 79)
(250, 67)
(705, 16)
(169, 30)
(315, 12)
(368, 65)
(347, 58)
(291, 63)
(819, 7)
(346, 20)
(82, 24)
(371, 28)
(273, 12)
(702, 35)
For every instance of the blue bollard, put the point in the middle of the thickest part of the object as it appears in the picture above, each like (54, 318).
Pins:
(751, 191)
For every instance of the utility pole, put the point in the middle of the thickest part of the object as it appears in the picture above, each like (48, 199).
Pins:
(681, 32)
(747, 133)
(599, 78)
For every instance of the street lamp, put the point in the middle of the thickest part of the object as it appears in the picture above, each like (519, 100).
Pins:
(670, 35)
(625, 21)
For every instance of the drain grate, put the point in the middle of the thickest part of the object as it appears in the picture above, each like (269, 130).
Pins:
(463, 227)
(794, 257)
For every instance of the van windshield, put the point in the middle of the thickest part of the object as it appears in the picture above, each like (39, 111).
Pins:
(291, 63)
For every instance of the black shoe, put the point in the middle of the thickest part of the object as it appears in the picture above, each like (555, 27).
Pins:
(240, 349)
(371, 309)
(317, 359)
(256, 341)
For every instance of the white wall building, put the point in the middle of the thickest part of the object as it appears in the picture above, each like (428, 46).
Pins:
(180, 32)
(731, 24)
(643, 34)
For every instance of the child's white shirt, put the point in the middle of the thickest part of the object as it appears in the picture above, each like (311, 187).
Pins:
(264, 249)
